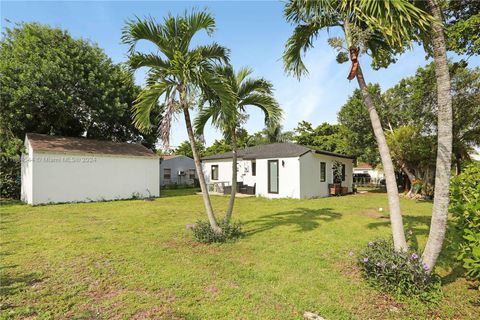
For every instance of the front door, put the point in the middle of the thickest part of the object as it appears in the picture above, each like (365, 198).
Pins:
(273, 176)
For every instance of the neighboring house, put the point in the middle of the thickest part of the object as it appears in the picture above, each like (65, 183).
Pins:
(364, 173)
(279, 170)
(62, 169)
(475, 155)
(177, 169)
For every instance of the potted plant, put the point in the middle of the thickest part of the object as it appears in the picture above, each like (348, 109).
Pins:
(336, 187)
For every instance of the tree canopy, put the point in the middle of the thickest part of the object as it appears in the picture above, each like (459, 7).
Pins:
(53, 83)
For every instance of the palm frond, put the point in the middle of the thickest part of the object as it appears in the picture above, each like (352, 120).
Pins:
(138, 60)
(301, 41)
(145, 103)
(202, 118)
(148, 29)
(249, 86)
(212, 52)
(267, 103)
(242, 74)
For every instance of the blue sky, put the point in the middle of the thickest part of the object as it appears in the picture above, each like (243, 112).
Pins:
(255, 31)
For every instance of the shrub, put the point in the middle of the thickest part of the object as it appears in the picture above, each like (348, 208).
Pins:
(465, 207)
(10, 177)
(204, 233)
(399, 273)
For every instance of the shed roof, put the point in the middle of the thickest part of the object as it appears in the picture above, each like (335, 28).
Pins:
(48, 143)
(275, 150)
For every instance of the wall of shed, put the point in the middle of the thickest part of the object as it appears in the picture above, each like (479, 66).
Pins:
(58, 178)
(27, 174)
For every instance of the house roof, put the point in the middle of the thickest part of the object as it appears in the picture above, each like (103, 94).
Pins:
(48, 143)
(169, 156)
(275, 150)
(364, 166)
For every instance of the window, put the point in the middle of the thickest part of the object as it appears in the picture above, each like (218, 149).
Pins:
(323, 172)
(254, 168)
(343, 172)
(272, 176)
(167, 173)
(214, 174)
(191, 174)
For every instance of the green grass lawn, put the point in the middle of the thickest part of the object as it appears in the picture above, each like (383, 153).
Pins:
(136, 260)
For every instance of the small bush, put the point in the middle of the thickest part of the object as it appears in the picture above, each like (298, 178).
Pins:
(465, 206)
(204, 233)
(399, 273)
(10, 177)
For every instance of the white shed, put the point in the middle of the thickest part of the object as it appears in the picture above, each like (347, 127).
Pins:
(62, 169)
(280, 170)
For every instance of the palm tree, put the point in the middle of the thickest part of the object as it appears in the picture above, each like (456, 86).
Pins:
(381, 28)
(438, 225)
(227, 117)
(177, 74)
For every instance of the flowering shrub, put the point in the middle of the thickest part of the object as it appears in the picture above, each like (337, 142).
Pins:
(400, 273)
(203, 232)
(465, 206)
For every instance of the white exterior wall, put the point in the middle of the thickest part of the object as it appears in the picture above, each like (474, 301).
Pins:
(224, 171)
(180, 163)
(299, 177)
(288, 178)
(58, 178)
(27, 174)
(288, 175)
(311, 186)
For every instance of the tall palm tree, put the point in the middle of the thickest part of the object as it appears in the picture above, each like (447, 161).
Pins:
(255, 92)
(438, 225)
(177, 74)
(381, 28)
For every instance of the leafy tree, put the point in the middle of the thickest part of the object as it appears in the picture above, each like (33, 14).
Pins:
(227, 117)
(328, 137)
(360, 139)
(463, 23)
(185, 148)
(54, 84)
(382, 28)
(178, 74)
(413, 152)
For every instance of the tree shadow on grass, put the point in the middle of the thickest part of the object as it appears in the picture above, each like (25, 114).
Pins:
(305, 219)
(420, 226)
(11, 284)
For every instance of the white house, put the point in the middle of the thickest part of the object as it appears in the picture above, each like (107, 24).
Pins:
(177, 169)
(280, 170)
(61, 169)
(364, 173)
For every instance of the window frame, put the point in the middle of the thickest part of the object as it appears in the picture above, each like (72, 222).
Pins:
(169, 174)
(191, 174)
(211, 171)
(323, 171)
(269, 177)
(254, 168)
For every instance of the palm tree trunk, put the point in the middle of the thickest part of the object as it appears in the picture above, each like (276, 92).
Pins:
(231, 202)
(392, 189)
(438, 224)
(201, 176)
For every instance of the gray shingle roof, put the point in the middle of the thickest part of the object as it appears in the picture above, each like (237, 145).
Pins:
(275, 150)
(48, 143)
